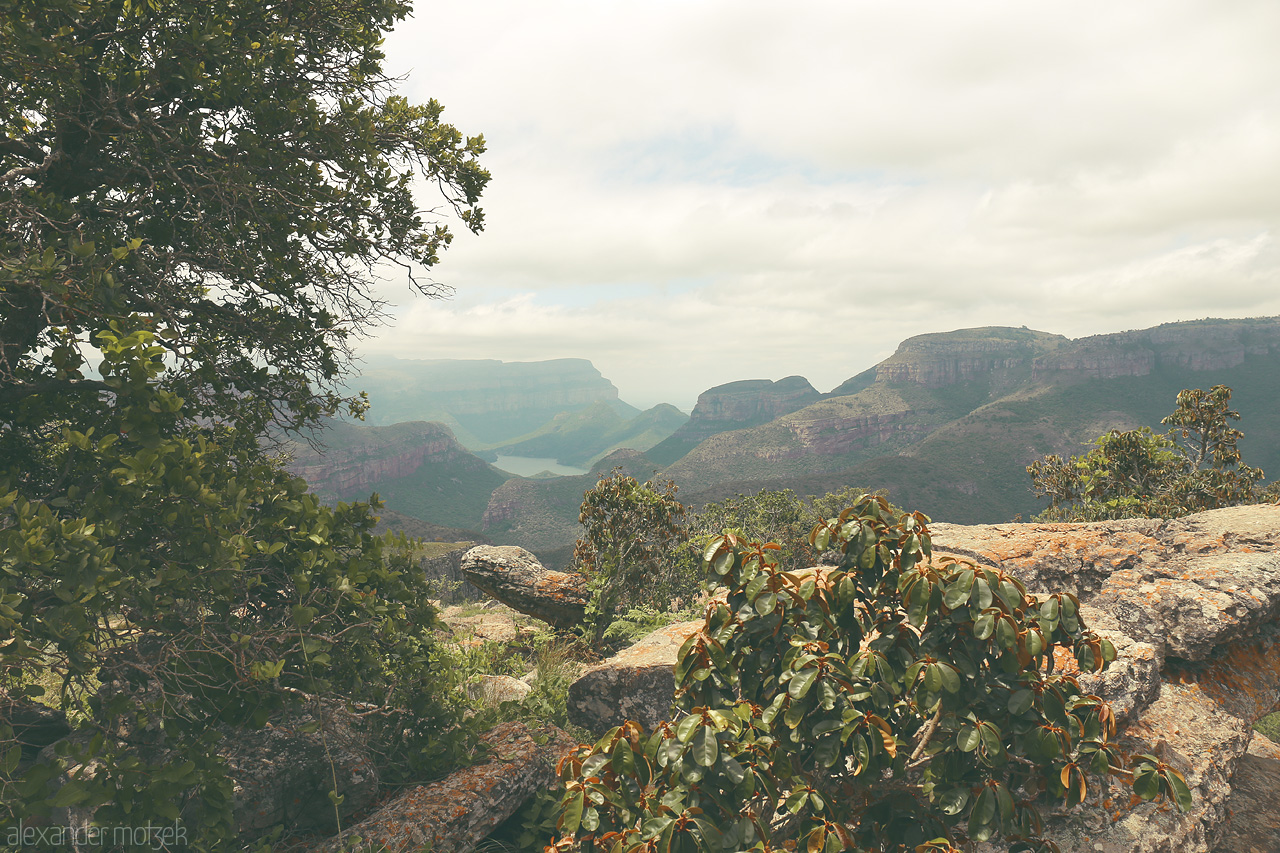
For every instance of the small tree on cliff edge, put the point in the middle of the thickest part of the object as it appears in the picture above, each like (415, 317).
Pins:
(632, 534)
(1142, 474)
(891, 704)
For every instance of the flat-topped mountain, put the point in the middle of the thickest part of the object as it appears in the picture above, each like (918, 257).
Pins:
(947, 424)
(484, 401)
(735, 405)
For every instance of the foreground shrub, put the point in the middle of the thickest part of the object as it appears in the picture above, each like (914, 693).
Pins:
(889, 704)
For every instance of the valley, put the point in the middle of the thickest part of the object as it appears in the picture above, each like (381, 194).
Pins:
(947, 424)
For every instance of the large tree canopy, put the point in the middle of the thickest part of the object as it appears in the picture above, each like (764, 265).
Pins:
(234, 171)
(203, 192)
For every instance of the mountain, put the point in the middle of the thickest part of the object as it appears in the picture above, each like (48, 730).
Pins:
(951, 420)
(417, 468)
(580, 438)
(732, 406)
(485, 402)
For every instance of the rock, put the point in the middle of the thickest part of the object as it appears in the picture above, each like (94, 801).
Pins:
(282, 775)
(35, 726)
(496, 689)
(515, 577)
(1191, 606)
(638, 683)
(1183, 585)
(1187, 730)
(445, 574)
(1253, 809)
(457, 812)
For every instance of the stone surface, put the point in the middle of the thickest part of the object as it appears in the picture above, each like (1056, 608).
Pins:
(35, 726)
(1190, 604)
(444, 572)
(1183, 585)
(457, 812)
(516, 578)
(496, 689)
(1253, 810)
(637, 683)
(283, 775)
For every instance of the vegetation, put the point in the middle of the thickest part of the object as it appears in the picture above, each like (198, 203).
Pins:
(198, 193)
(632, 536)
(1140, 473)
(889, 704)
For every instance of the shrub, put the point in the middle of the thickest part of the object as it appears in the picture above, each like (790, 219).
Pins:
(1142, 474)
(891, 703)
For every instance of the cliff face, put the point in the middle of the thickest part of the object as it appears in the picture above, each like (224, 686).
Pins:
(492, 401)
(736, 405)
(948, 358)
(354, 458)
(1195, 345)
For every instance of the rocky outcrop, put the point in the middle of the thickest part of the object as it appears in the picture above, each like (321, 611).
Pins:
(635, 684)
(457, 812)
(736, 405)
(348, 459)
(1253, 823)
(1194, 345)
(515, 577)
(1191, 606)
(1199, 595)
(947, 358)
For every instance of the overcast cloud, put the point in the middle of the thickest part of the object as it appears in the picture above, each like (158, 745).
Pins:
(689, 193)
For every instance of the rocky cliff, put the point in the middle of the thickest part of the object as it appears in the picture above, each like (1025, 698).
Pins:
(485, 401)
(349, 460)
(735, 405)
(417, 468)
(1199, 345)
(948, 358)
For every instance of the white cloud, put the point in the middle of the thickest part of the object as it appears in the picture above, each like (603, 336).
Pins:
(694, 192)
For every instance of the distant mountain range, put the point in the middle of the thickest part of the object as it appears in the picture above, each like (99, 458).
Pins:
(947, 424)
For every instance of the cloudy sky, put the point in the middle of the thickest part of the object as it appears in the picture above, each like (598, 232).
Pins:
(692, 192)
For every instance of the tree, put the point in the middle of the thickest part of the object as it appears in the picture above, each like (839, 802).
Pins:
(201, 195)
(231, 173)
(889, 704)
(632, 533)
(1143, 474)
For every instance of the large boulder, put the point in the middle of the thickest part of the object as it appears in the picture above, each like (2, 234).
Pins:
(282, 774)
(457, 812)
(1253, 822)
(515, 577)
(637, 683)
(1190, 604)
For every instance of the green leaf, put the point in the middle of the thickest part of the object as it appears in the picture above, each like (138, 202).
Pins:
(686, 728)
(950, 678)
(1147, 784)
(954, 800)
(1021, 701)
(706, 747)
(796, 801)
(1178, 788)
(984, 811)
(800, 683)
(967, 739)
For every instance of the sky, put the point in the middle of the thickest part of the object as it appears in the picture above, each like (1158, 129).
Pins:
(695, 192)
